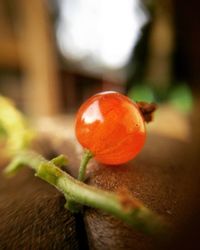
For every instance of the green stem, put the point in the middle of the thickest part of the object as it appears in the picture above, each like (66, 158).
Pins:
(70, 204)
(139, 217)
(87, 155)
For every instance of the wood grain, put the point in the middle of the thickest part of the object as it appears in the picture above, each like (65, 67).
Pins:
(158, 177)
(32, 215)
(162, 177)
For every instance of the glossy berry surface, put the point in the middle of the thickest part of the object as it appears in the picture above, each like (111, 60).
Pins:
(111, 126)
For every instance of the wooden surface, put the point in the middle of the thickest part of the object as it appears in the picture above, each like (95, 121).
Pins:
(163, 176)
(160, 176)
(157, 177)
(33, 216)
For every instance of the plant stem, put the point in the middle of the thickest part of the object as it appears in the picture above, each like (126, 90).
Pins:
(139, 217)
(87, 155)
(70, 204)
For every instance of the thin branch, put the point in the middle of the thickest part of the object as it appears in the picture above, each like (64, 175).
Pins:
(139, 217)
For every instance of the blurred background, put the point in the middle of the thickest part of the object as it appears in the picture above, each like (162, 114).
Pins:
(54, 54)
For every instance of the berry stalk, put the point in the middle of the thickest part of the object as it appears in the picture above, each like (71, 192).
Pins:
(70, 204)
(139, 216)
(87, 155)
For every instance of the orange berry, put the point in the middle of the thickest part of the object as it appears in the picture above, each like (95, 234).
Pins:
(111, 126)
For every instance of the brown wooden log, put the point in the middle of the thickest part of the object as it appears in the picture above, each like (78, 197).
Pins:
(162, 177)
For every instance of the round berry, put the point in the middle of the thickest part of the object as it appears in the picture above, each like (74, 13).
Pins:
(111, 126)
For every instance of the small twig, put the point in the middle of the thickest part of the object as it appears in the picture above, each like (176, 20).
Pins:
(138, 217)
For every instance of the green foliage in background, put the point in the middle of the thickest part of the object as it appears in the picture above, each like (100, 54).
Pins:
(181, 98)
(15, 134)
(178, 95)
(142, 92)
